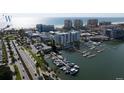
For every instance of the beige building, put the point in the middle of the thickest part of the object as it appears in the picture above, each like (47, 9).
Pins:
(92, 23)
(78, 24)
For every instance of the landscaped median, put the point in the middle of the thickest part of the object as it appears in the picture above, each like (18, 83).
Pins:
(23, 63)
(40, 62)
(18, 76)
(4, 53)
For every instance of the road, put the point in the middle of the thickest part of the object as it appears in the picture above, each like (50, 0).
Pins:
(28, 62)
(22, 70)
(32, 62)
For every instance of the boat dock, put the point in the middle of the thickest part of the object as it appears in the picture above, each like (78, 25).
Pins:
(64, 65)
(88, 53)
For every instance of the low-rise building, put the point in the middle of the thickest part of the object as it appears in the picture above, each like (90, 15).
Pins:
(115, 33)
(99, 38)
(43, 47)
(104, 23)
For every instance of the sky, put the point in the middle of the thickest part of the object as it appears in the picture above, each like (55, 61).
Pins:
(70, 14)
(30, 19)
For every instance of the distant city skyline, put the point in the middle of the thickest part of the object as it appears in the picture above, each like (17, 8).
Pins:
(30, 20)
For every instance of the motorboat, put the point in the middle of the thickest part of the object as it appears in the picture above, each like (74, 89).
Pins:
(91, 55)
(86, 54)
(59, 64)
(92, 47)
(71, 64)
(100, 50)
(60, 57)
(64, 68)
(53, 58)
(67, 71)
(61, 68)
(76, 66)
(73, 71)
(65, 65)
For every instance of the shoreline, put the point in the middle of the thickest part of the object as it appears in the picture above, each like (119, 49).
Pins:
(60, 26)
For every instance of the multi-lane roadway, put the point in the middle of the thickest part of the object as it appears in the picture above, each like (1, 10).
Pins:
(30, 64)
(21, 68)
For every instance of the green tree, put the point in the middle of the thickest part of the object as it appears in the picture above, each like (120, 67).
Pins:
(5, 73)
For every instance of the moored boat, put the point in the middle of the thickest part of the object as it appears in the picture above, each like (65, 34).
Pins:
(100, 50)
(73, 71)
(86, 54)
(65, 65)
(91, 55)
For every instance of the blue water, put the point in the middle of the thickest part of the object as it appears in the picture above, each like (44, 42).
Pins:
(60, 20)
(107, 65)
(27, 22)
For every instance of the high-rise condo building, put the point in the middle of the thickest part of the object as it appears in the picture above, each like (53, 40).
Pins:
(65, 38)
(68, 24)
(92, 23)
(78, 24)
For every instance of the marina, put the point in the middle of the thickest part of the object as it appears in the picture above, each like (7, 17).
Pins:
(106, 65)
(64, 65)
(93, 49)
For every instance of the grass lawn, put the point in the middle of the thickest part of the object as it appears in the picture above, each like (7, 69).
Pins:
(18, 76)
(4, 54)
